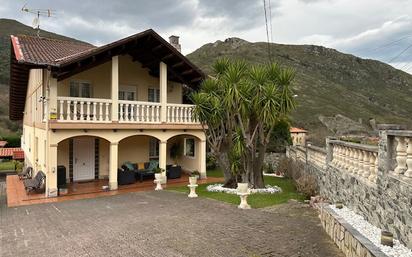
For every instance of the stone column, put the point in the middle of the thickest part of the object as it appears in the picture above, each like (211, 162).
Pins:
(366, 164)
(51, 173)
(400, 156)
(113, 164)
(372, 167)
(163, 91)
(408, 172)
(115, 88)
(202, 158)
(162, 158)
(52, 99)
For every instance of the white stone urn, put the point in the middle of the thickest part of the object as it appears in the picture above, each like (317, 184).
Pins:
(243, 192)
(243, 187)
(193, 180)
(158, 181)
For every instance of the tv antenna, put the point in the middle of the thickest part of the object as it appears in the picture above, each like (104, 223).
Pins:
(38, 13)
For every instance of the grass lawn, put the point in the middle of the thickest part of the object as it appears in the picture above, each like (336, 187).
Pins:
(255, 200)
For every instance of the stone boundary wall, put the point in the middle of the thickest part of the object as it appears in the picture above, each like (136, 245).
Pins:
(346, 237)
(384, 201)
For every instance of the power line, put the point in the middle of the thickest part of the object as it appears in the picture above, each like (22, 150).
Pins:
(401, 53)
(267, 31)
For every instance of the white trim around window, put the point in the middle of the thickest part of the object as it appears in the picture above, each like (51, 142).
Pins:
(189, 147)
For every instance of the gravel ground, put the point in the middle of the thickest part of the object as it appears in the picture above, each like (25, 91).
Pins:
(160, 224)
(372, 233)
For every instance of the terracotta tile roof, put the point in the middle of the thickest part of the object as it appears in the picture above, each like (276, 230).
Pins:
(18, 155)
(297, 130)
(3, 143)
(8, 152)
(46, 51)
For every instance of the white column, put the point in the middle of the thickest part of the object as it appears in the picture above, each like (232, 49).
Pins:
(162, 158)
(202, 158)
(51, 172)
(52, 99)
(115, 88)
(163, 91)
(113, 159)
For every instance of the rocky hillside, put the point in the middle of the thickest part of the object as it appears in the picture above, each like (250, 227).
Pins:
(327, 82)
(11, 27)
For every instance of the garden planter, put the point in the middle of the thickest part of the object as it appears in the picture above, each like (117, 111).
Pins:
(193, 180)
(243, 192)
(243, 187)
(158, 181)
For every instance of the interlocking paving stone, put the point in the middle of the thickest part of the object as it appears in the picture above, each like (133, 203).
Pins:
(159, 224)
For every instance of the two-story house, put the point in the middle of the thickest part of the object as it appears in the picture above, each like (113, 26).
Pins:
(91, 108)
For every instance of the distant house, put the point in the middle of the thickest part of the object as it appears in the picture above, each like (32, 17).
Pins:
(3, 144)
(11, 153)
(298, 136)
(92, 109)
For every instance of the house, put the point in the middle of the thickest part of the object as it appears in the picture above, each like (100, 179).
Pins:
(298, 136)
(3, 143)
(11, 153)
(91, 108)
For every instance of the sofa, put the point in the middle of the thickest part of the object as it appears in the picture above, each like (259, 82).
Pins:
(125, 177)
(147, 171)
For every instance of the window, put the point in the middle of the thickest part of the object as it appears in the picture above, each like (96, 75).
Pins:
(127, 93)
(80, 89)
(189, 147)
(153, 148)
(153, 95)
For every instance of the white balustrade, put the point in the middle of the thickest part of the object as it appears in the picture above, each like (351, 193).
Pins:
(403, 156)
(83, 109)
(180, 113)
(360, 160)
(139, 112)
(316, 156)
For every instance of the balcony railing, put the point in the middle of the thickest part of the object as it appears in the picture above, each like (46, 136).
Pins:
(74, 109)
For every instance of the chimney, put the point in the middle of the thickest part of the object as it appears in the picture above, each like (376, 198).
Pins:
(174, 41)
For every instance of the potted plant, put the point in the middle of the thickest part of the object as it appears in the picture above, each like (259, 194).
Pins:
(194, 175)
(175, 153)
(158, 173)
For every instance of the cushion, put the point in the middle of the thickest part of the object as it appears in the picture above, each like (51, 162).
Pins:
(128, 165)
(153, 165)
(140, 166)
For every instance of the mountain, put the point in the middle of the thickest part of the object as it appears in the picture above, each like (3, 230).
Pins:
(328, 83)
(11, 27)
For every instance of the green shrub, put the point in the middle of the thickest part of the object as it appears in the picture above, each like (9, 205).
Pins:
(210, 162)
(280, 137)
(12, 140)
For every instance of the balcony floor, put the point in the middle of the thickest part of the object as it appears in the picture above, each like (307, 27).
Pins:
(17, 196)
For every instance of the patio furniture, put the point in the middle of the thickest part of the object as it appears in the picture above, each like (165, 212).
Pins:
(125, 177)
(26, 174)
(173, 171)
(35, 183)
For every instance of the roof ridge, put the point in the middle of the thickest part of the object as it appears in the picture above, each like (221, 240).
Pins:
(74, 41)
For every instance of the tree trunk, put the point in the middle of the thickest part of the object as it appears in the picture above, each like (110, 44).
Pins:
(224, 164)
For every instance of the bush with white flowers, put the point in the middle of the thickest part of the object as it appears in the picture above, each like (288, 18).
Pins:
(220, 189)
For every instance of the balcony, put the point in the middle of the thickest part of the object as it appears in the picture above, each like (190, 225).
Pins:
(95, 110)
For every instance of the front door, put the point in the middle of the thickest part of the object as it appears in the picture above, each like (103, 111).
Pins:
(83, 159)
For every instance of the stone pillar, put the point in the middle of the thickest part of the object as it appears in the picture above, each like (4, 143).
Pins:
(366, 164)
(162, 159)
(329, 151)
(163, 91)
(400, 155)
(408, 172)
(51, 173)
(202, 158)
(113, 164)
(115, 88)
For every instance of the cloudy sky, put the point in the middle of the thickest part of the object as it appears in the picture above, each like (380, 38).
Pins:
(378, 29)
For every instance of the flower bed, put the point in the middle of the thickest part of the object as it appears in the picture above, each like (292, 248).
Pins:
(220, 189)
(372, 233)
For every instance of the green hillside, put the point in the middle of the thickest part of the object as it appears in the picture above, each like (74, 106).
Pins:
(327, 82)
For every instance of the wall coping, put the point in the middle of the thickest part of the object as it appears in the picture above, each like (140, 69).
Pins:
(370, 148)
(316, 148)
(400, 133)
(355, 233)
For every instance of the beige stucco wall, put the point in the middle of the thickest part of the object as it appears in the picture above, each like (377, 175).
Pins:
(187, 163)
(33, 109)
(134, 149)
(298, 138)
(63, 155)
(103, 158)
(130, 74)
(34, 145)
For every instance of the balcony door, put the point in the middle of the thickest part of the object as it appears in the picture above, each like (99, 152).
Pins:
(80, 89)
(127, 93)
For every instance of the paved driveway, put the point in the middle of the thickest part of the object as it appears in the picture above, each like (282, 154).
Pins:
(159, 224)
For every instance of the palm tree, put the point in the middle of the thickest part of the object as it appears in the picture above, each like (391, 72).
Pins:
(239, 107)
